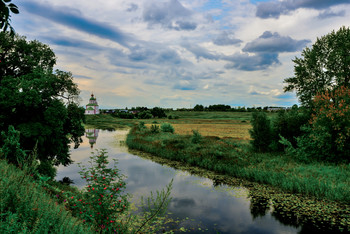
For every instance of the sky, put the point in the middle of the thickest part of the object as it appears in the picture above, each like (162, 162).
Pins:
(179, 53)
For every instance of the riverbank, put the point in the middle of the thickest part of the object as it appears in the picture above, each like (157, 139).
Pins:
(315, 192)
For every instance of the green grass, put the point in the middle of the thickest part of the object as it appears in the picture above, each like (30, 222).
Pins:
(26, 208)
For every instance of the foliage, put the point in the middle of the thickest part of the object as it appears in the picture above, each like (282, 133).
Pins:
(5, 8)
(26, 208)
(38, 102)
(103, 203)
(261, 132)
(144, 115)
(103, 200)
(124, 115)
(328, 136)
(158, 112)
(154, 128)
(198, 107)
(219, 107)
(288, 125)
(324, 66)
(167, 127)
(11, 149)
(196, 137)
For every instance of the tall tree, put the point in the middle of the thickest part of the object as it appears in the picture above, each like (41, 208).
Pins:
(324, 66)
(5, 8)
(39, 102)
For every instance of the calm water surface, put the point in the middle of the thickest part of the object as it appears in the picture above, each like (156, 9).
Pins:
(196, 204)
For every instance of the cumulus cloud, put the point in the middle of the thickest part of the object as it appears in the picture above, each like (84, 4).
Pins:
(274, 43)
(274, 9)
(170, 15)
(74, 19)
(226, 39)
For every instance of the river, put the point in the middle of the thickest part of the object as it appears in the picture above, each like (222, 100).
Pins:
(198, 205)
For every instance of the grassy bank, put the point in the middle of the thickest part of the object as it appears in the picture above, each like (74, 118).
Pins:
(26, 207)
(231, 158)
(314, 191)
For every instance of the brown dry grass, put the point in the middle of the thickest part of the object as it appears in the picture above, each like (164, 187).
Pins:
(219, 128)
(237, 131)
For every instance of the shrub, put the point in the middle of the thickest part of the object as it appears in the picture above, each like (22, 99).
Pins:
(154, 128)
(167, 127)
(103, 201)
(145, 115)
(288, 125)
(327, 137)
(196, 137)
(141, 125)
(261, 132)
(11, 148)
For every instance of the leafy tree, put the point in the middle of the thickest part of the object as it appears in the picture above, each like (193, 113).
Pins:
(324, 66)
(288, 124)
(158, 112)
(328, 136)
(198, 107)
(37, 101)
(261, 131)
(5, 8)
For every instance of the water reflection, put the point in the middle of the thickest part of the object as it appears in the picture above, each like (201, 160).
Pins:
(92, 135)
(198, 204)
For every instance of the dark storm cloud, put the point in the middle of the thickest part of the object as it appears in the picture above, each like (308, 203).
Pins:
(274, 9)
(246, 62)
(226, 39)
(73, 19)
(274, 43)
(171, 15)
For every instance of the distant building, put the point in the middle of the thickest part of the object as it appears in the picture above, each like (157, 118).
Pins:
(92, 107)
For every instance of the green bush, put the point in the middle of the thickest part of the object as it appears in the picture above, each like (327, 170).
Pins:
(167, 127)
(196, 137)
(288, 125)
(145, 115)
(154, 128)
(11, 148)
(261, 132)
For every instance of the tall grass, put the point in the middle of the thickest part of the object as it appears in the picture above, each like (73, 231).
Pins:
(26, 208)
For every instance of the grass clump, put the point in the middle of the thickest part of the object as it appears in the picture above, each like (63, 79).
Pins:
(26, 207)
(167, 127)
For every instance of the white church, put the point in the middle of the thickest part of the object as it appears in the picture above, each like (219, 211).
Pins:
(92, 107)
